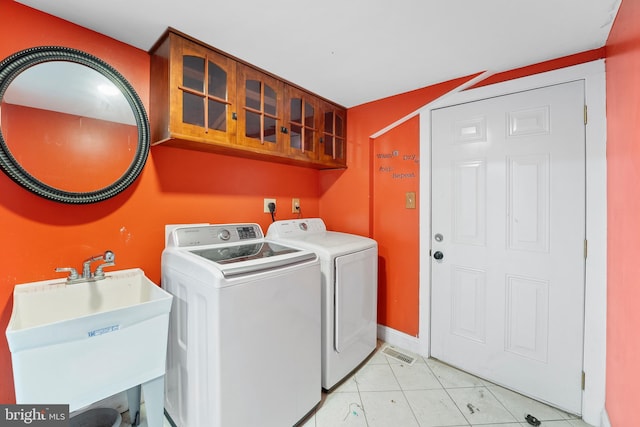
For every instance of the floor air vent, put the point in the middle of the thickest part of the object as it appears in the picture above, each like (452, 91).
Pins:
(405, 358)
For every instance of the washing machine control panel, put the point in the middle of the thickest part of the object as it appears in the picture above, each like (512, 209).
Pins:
(296, 227)
(215, 234)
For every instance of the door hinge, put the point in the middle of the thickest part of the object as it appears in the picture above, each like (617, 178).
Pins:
(585, 115)
(585, 248)
(584, 376)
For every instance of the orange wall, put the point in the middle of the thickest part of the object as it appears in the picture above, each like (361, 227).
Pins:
(623, 205)
(345, 200)
(176, 186)
(396, 172)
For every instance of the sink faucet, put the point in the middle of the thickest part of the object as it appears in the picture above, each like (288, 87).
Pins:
(109, 259)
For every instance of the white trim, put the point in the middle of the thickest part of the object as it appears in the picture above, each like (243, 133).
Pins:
(593, 73)
(463, 86)
(398, 339)
(605, 419)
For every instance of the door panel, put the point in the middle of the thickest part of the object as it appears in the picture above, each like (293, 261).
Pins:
(527, 201)
(468, 303)
(527, 317)
(355, 298)
(469, 203)
(508, 191)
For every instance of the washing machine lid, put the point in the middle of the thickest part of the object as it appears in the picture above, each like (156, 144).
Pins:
(237, 260)
(235, 249)
(241, 253)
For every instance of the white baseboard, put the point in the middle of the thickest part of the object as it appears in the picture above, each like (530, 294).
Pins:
(399, 339)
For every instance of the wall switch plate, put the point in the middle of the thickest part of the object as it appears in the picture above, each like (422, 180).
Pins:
(410, 200)
(266, 204)
(295, 205)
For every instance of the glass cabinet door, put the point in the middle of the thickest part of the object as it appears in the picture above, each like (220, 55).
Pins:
(333, 141)
(260, 123)
(302, 121)
(204, 91)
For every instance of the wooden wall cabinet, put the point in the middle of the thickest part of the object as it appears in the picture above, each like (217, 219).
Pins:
(204, 99)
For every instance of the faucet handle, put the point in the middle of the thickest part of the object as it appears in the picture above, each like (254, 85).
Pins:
(110, 260)
(99, 273)
(73, 273)
(109, 256)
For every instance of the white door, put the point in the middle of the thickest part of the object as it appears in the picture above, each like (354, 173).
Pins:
(508, 222)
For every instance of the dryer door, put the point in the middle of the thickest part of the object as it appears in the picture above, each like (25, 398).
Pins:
(356, 292)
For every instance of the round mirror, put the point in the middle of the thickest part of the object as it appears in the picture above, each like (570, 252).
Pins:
(72, 129)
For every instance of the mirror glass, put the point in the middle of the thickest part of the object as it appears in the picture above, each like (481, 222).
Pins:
(71, 128)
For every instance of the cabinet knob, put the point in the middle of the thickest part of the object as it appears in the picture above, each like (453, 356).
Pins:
(234, 116)
(284, 130)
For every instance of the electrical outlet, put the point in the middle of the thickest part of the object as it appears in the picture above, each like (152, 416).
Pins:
(295, 205)
(266, 204)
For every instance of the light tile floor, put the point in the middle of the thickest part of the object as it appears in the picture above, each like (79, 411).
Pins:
(385, 392)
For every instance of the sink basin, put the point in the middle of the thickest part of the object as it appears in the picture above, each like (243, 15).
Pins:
(79, 343)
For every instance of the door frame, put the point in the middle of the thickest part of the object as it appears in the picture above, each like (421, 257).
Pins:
(594, 352)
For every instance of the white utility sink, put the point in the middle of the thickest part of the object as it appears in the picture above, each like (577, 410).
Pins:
(79, 343)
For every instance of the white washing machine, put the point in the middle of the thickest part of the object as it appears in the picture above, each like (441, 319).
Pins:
(349, 266)
(244, 331)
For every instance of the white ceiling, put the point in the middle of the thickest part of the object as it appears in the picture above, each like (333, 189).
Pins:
(356, 51)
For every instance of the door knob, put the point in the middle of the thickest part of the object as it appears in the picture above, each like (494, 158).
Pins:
(438, 255)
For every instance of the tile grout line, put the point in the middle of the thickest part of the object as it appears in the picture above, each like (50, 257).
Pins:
(404, 394)
(487, 385)
(514, 415)
(503, 405)
(355, 380)
(447, 392)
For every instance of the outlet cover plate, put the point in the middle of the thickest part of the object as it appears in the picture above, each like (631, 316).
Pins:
(266, 205)
(410, 200)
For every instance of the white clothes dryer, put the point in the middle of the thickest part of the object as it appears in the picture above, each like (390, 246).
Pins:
(349, 266)
(244, 331)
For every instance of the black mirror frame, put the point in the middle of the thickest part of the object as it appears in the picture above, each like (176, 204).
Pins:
(13, 65)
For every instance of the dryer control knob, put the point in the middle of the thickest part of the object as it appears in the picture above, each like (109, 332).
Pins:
(224, 234)
(303, 226)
